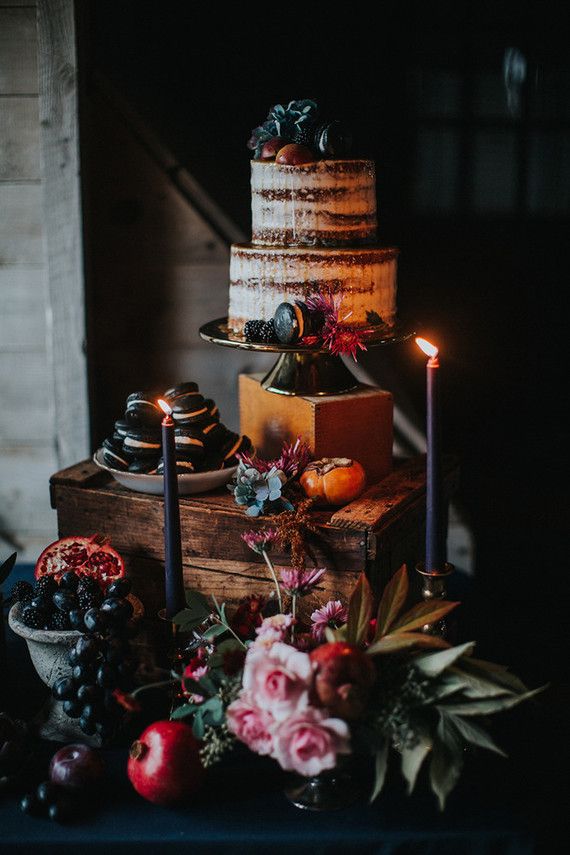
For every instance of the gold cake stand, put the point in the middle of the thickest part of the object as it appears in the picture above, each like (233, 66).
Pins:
(306, 370)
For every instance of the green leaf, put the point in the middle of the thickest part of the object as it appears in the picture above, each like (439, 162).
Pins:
(403, 640)
(476, 734)
(392, 602)
(332, 635)
(359, 611)
(183, 711)
(433, 664)
(412, 759)
(217, 658)
(207, 685)
(215, 630)
(7, 567)
(487, 706)
(198, 726)
(498, 673)
(445, 769)
(424, 613)
(380, 769)
(197, 601)
(447, 684)
(476, 686)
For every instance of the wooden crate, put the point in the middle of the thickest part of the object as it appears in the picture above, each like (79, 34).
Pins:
(358, 424)
(376, 533)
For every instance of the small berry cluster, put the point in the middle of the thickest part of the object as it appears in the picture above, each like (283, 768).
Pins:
(260, 331)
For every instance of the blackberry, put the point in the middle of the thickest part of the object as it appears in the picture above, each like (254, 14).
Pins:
(46, 587)
(305, 134)
(22, 592)
(33, 618)
(267, 332)
(59, 621)
(252, 330)
(89, 599)
(88, 583)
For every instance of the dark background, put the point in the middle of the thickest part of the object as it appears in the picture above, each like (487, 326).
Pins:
(477, 196)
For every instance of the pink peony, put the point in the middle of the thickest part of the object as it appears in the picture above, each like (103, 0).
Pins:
(250, 724)
(308, 742)
(278, 679)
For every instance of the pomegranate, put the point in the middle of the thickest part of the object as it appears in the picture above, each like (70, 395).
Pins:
(164, 763)
(343, 678)
(87, 556)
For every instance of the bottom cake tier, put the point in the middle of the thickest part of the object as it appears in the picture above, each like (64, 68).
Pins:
(263, 277)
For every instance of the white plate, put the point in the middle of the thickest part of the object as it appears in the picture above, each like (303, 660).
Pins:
(195, 482)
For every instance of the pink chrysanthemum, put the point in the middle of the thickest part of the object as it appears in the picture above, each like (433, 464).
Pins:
(332, 615)
(298, 583)
(260, 541)
(292, 460)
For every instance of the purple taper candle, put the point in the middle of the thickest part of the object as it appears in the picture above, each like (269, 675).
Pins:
(173, 575)
(435, 528)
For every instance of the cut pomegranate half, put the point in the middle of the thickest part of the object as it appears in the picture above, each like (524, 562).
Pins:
(87, 556)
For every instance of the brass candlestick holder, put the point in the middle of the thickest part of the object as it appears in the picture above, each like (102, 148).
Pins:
(434, 587)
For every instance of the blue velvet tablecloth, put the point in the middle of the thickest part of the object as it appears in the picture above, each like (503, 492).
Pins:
(498, 807)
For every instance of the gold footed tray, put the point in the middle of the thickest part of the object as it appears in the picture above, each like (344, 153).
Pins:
(305, 370)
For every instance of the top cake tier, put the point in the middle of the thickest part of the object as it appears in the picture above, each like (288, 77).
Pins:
(323, 203)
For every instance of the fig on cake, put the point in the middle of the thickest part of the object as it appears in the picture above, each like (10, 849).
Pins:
(294, 154)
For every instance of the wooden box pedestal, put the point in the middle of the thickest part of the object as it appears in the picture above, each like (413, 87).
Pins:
(357, 424)
(376, 533)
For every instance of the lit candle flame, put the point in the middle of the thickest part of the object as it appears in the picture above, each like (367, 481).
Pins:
(428, 348)
(164, 407)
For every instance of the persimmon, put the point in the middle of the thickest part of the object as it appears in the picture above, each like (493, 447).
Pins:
(333, 480)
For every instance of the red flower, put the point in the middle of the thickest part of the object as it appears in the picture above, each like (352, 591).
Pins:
(127, 701)
(248, 616)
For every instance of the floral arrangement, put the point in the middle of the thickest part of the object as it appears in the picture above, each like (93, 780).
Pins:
(339, 337)
(310, 690)
(285, 122)
(260, 485)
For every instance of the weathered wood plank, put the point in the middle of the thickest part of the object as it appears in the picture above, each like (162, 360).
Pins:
(18, 41)
(374, 508)
(22, 309)
(26, 413)
(19, 139)
(21, 228)
(24, 482)
(62, 205)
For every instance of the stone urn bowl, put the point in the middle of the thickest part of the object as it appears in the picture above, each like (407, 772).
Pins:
(49, 650)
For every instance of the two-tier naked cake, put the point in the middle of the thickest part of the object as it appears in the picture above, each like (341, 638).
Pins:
(313, 227)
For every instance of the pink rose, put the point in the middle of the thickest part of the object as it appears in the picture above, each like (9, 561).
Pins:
(278, 679)
(251, 725)
(309, 742)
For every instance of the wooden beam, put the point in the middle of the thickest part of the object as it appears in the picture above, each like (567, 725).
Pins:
(63, 224)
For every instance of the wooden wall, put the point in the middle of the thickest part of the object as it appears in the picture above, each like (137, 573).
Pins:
(157, 251)
(27, 433)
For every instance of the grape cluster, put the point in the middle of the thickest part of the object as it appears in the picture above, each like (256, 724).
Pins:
(50, 800)
(101, 661)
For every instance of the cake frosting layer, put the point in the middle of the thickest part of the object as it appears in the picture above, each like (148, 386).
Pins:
(263, 277)
(326, 203)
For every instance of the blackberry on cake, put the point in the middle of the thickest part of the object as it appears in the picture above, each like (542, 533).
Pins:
(252, 330)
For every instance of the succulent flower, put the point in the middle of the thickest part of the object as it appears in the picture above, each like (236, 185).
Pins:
(260, 492)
